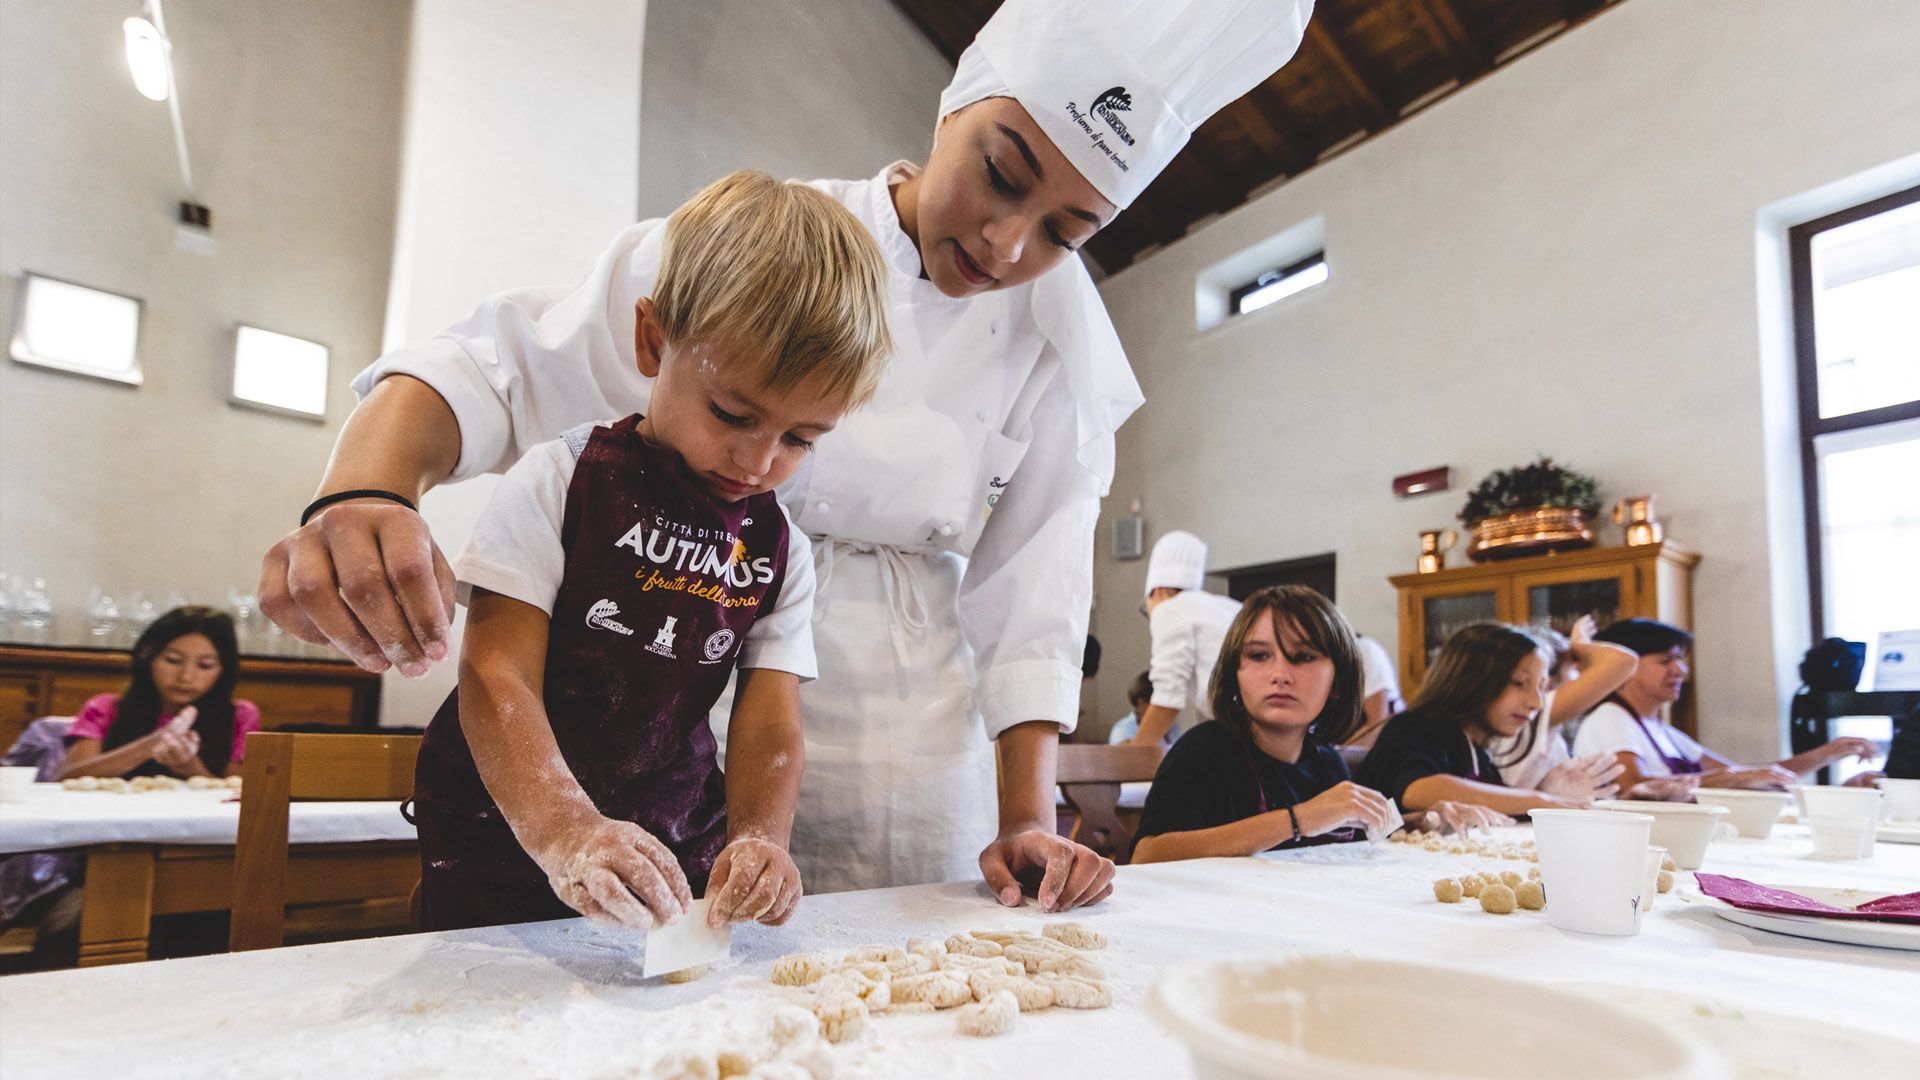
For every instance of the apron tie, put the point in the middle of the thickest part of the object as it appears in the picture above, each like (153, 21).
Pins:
(906, 600)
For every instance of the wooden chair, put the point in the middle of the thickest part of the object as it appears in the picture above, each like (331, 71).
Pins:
(281, 767)
(1090, 776)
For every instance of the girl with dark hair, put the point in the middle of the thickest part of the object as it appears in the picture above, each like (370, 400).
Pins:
(1489, 682)
(1583, 672)
(1628, 725)
(1266, 772)
(178, 715)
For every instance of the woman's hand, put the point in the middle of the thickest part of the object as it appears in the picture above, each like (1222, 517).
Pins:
(1347, 804)
(1752, 778)
(1063, 874)
(366, 577)
(1583, 780)
(1850, 747)
(753, 879)
(1665, 788)
(1448, 816)
(616, 872)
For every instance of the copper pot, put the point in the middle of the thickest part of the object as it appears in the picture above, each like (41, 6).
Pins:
(1530, 532)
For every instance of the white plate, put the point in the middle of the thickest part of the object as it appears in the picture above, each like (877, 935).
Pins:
(1899, 832)
(1884, 935)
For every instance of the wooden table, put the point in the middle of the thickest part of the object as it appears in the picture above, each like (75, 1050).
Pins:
(170, 854)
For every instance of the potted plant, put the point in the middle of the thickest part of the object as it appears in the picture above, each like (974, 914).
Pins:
(1543, 506)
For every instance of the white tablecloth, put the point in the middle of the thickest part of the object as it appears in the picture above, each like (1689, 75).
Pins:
(56, 818)
(567, 999)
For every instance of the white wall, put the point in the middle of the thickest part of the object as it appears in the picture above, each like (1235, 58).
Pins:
(291, 120)
(1561, 258)
(520, 163)
(800, 90)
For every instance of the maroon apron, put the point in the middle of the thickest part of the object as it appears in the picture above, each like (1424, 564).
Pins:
(1677, 765)
(662, 583)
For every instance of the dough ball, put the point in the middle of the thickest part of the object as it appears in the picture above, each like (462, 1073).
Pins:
(1471, 885)
(993, 1016)
(911, 964)
(870, 970)
(81, 783)
(116, 784)
(841, 1018)
(801, 969)
(1531, 895)
(1666, 881)
(1448, 891)
(1667, 863)
(1497, 900)
(927, 947)
(1533, 873)
(1074, 935)
(1076, 993)
(686, 975)
(234, 782)
(1511, 878)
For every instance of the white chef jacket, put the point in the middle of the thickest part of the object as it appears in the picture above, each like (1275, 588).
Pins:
(1187, 630)
(937, 462)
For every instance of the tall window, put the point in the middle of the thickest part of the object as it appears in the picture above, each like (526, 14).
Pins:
(1856, 296)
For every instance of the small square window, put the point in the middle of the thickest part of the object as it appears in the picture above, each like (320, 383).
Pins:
(76, 329)
(280, 373)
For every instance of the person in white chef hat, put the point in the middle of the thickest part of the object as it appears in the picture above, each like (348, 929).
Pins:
(952, 520)
(1187, 625)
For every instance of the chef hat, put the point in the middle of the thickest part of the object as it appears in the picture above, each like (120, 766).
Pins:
(1179, 561)
(1119, 85)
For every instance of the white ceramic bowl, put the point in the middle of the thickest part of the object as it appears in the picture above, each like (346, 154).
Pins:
(1754, 812)
(1684, 829)
(16, 782)
(1322, 1017)
(1902, 800)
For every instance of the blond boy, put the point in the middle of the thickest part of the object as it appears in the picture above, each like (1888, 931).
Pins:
(623, 572)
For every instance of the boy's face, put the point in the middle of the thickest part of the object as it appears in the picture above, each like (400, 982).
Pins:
(737, 437)
(999, 204)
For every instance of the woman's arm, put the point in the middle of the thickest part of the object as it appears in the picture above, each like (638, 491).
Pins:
(1342, 805)
(1604, 668)
(754, 876)
(1821, 756)
(597, 865)
(1445, 787)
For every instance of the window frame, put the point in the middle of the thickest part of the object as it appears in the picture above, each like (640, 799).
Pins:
(1807, 381)
(1271, 277)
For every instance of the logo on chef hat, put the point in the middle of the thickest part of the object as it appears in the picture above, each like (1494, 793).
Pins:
(1116, 100)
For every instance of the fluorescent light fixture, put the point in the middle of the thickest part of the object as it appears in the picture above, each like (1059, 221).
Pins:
(147, 59)
(1283, 288)
(280, 373)
(72, 328)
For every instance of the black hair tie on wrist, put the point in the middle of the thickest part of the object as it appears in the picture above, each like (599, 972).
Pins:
(325, 501)
(1295, 818)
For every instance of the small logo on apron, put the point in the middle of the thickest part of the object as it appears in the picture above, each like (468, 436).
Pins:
(600, 616)
(662, 643)
(719, 644)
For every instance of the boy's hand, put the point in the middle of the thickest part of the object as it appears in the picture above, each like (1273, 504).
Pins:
(753, 879)
(616, 872)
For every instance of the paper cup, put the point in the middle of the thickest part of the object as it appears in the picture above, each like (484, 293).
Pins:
(1650, 890)
(1753, 813)
(16, 782)
(1684, 829)
(1825, 801)
(1841, 837)
(1593, 865)
(1902, 798)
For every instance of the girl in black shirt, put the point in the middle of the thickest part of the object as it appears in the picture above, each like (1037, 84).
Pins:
(1267, 772)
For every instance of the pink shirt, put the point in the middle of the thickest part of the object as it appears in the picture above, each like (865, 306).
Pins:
(96, 716)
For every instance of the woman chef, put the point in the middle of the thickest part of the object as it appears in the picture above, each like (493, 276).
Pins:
(952, 520)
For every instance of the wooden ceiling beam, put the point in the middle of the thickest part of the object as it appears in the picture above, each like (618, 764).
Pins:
(1442, 24)
(1374, 111)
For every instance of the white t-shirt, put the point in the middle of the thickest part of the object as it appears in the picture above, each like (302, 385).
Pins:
(1610, 728)
(515, 551)
(1187, 631)
(1378, 669)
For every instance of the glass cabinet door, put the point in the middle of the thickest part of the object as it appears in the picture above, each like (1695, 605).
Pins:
(1442, 616)
(1560, 604)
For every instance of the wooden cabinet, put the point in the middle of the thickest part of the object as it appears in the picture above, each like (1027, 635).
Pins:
(38, 681)
(1653, 581)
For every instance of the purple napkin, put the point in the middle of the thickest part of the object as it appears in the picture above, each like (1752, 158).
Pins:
(1904, 908)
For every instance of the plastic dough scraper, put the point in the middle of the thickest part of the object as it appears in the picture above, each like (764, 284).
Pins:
(686, 942)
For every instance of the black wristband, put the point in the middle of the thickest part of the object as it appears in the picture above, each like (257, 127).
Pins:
(1295, 818)
(325, 501)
